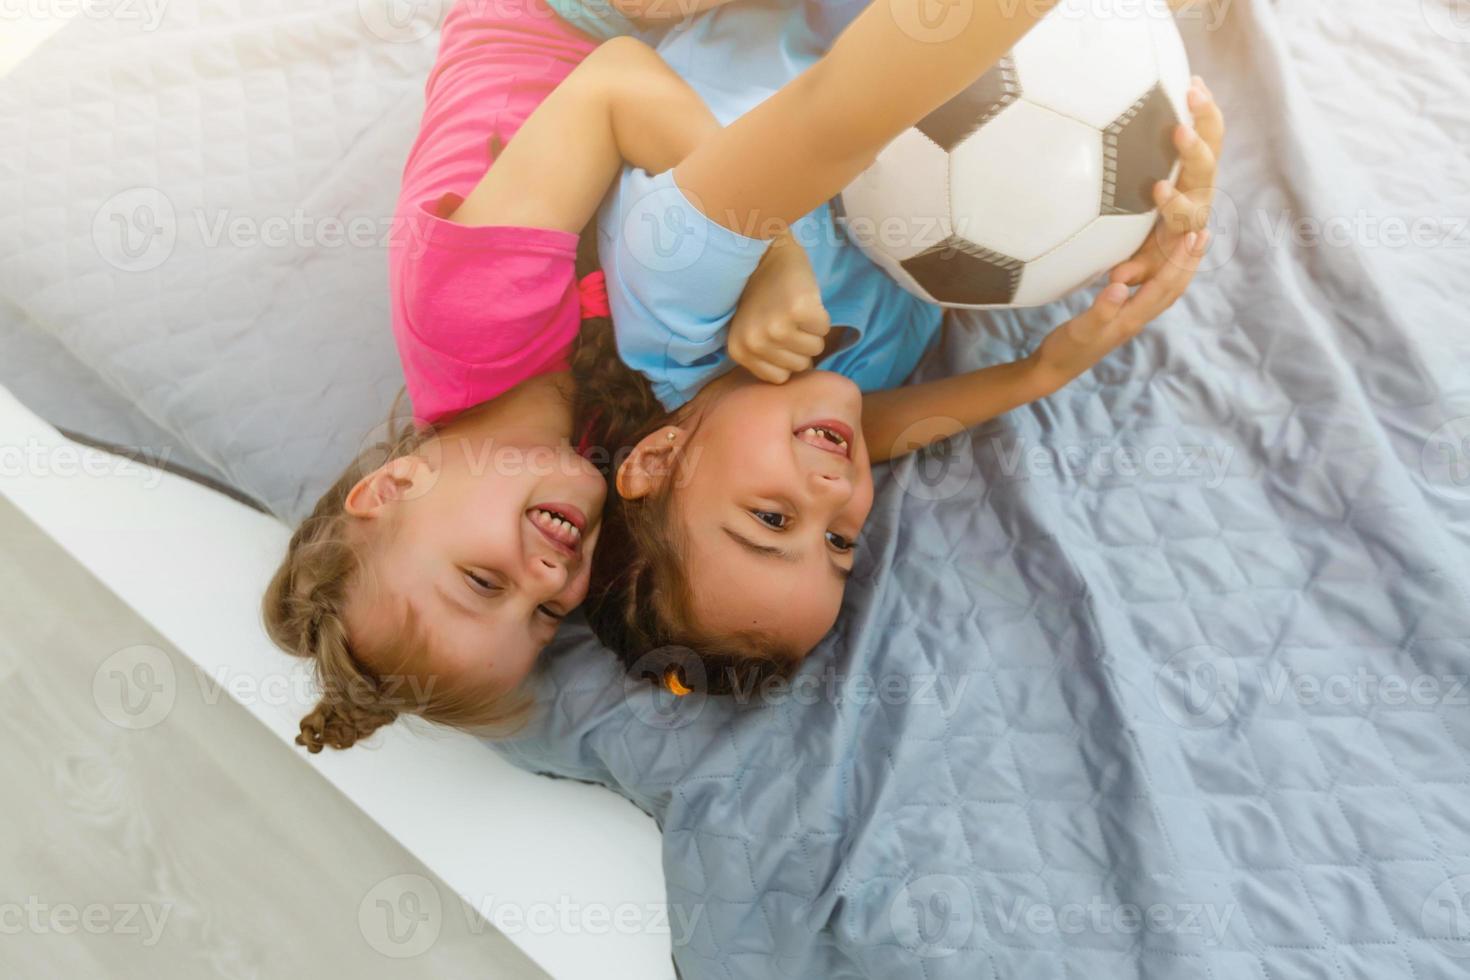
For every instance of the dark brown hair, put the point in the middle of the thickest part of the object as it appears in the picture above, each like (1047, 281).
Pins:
(639, 602)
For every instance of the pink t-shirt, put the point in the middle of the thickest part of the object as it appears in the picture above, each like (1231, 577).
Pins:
(476, 311)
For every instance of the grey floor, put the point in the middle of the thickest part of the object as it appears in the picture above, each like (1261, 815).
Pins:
(199, 847)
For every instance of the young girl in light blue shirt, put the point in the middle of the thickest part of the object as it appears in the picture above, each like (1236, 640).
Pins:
(769, 353)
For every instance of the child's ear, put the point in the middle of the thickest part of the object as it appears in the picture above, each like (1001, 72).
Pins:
(398, 479)
(650, 463)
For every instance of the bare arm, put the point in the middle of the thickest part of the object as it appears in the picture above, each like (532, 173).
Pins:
(903, 420)
(906, 419)
(888, 70)
(625, 105)
(622, 104)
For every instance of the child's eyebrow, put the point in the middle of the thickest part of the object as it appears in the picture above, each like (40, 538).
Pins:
(769, 551)
(765, 550)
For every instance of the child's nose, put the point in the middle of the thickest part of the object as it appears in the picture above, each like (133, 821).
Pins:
(831, 485)
(548, 573)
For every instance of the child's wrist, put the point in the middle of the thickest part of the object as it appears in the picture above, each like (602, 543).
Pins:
(1040, 379)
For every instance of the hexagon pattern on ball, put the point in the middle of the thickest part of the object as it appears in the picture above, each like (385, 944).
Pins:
(867, 215)
(1073, 43)
(903, 277)
(1026, 147)
(1038, 177)
(957, 272)
(957, 119)
(1139, 152)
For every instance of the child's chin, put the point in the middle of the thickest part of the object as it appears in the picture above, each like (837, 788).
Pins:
(586, 473)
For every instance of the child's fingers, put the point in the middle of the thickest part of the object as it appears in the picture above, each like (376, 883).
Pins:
(812, 318)
(804, 343)
(767, 372)
(1133, 271)
(1184, 213)
(1154, 251)
(786, 360)
(1163, 192)
(1085, 328)
(1209, 121)
(1160, 291)
(1152, 254)
(755, 359)
(1198, 159)
(1179, 214)
(1109, 302)
(1154, 296)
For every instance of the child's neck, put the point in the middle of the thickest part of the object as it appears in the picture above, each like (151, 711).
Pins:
(538, 411)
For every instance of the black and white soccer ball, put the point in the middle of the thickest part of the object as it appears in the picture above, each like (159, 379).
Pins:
(1039, 176)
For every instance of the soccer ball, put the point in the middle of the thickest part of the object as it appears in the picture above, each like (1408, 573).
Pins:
(1039, 176)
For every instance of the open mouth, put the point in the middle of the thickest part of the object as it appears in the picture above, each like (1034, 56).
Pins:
(827, 435)
(560, 524)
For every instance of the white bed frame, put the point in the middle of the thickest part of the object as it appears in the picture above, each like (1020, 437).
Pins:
(194, 563)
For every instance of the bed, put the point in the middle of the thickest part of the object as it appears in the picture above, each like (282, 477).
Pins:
(150, 522)
(1161, 677)
(159, 541)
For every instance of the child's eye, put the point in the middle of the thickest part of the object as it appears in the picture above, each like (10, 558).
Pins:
(480, 583)
(838, 541)
(770, 518)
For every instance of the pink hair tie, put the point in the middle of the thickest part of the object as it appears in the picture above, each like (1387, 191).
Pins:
(593, 291)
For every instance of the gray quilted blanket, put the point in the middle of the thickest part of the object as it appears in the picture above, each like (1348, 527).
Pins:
(1164, 676)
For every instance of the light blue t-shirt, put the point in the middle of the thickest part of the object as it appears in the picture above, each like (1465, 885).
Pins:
(674, 276)
(602, 20)
(595, 18)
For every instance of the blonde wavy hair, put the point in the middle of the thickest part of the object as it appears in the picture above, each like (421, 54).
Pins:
(366, 685)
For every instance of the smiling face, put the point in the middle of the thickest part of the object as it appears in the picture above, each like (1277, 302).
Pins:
(486, 542)
(772, 485)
